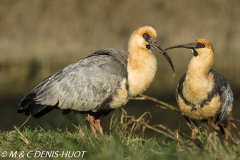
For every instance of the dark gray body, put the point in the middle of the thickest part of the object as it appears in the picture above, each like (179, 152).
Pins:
(86, 86)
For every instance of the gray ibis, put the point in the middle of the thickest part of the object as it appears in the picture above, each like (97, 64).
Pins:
(98, 83)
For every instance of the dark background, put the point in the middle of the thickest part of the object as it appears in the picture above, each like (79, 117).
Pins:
(40, 37)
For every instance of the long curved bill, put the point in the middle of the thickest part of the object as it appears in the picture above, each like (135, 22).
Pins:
(188, 45)
(157, 47)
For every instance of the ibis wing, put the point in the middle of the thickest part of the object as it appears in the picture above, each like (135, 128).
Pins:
(226, 95)
(180, 87)
(83, 86)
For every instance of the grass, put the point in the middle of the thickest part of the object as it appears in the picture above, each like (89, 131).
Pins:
(126, 139)
(111, 146)
(114, 145)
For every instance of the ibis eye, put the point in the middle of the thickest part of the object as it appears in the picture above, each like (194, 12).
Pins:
(145, 35)
(201, 45)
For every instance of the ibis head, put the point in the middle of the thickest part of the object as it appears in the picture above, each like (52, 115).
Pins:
(201, 47)
(144, 38)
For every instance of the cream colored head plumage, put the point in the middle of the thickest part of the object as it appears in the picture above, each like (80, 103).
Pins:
(137, 40)
(203, 48)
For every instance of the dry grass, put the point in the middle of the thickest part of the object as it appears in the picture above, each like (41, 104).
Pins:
(127, 138)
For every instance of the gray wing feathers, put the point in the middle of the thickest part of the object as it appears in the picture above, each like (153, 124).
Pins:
(84, 85)
(227, 97)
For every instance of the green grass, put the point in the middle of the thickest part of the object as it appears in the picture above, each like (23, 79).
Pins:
(124, 140)
(111, 146)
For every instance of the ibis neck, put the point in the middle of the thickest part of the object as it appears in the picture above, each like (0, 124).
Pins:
(198, 81)
(199, 66)
(142, 66)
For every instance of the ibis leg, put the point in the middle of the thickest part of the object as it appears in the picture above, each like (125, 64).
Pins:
(98, 125)
(91, 120)
(95, 124)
